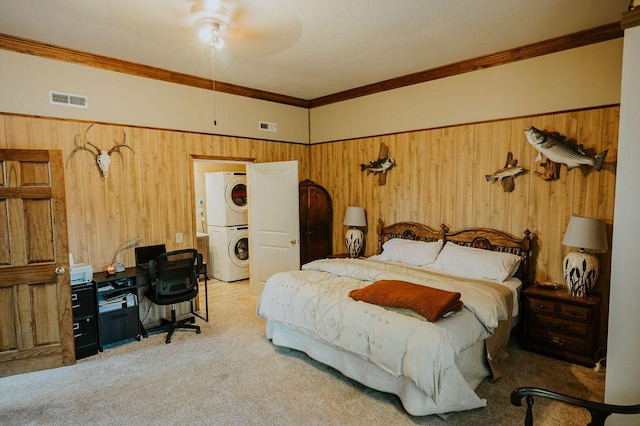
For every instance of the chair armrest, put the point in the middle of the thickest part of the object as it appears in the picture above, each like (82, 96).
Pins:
(599, 411)
(199, 263)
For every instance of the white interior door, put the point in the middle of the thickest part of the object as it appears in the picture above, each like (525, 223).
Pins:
(274, 239)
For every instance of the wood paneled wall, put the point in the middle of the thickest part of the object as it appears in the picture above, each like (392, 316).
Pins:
(148, 194)
(440, 178)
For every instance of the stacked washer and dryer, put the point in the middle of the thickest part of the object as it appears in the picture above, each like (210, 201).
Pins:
(228, 224)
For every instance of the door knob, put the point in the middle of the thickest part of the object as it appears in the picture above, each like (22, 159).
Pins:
(293, 242)
(59, 270)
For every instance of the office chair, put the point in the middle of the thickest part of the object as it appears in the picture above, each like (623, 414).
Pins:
(174, 279)
(599, 411)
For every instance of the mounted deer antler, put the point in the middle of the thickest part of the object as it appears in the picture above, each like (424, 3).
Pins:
(103, 158)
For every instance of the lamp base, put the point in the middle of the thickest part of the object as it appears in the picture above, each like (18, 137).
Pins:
(353, 239)
(580, 272)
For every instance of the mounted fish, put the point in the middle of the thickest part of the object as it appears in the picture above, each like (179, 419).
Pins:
(557, 149)
(507, 174)
(380, 166)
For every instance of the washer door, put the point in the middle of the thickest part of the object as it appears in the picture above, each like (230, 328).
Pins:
(239, 248)
(235, 194)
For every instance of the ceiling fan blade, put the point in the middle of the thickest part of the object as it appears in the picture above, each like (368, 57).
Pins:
(260, 28)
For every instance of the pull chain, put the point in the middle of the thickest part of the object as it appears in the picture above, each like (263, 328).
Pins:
(213, 80)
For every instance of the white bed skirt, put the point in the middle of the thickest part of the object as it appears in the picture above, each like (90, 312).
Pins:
(456, 389)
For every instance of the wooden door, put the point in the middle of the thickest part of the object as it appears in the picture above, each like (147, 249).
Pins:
(274, 233)
(316, 222)
(35, 293)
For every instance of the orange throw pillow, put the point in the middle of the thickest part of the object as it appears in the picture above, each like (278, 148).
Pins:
(431, 303)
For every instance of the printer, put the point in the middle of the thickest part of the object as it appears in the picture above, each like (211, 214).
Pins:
(81, 273)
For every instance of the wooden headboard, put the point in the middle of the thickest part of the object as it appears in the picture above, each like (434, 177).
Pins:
(482, 238)
(408, 231)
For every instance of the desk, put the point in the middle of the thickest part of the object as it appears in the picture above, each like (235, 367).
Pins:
(117, 298)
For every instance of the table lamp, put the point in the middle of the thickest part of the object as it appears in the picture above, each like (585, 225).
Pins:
(580, 268)
(354, 218)
(117, 266)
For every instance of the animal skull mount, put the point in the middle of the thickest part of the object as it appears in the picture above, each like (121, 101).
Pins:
(103, 158)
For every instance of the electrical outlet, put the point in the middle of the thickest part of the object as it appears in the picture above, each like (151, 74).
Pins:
(179, 238)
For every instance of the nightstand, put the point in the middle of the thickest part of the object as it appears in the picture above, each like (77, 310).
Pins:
(560, 325)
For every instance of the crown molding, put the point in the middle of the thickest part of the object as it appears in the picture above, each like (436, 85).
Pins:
(630, 19)
(570, 41)
(44, 50)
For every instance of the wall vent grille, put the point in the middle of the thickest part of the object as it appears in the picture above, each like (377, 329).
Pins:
(266, 126)
(68, 99)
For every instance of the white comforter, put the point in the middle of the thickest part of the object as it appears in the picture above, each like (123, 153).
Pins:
(315, 302)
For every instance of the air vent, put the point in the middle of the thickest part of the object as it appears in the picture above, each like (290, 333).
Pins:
(267, 127)
(68, 99)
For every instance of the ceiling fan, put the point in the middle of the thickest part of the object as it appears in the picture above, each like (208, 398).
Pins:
(245, 27)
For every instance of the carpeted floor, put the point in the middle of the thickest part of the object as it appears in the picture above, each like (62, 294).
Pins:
(230, 374)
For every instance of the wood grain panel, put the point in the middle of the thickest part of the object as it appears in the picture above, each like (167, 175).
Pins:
(440, 178)
(147, 193)
(481, 188)
(499, 148)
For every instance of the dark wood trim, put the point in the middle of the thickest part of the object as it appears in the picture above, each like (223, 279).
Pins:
(570, 41)
(36, 48)
(630, 19)
(222, 158)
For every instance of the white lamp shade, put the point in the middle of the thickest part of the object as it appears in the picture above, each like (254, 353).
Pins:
(355, 216)
(586, 233)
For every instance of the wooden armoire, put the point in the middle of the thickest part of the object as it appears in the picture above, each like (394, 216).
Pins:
(316, 222)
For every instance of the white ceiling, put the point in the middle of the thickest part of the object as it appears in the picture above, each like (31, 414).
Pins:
(304, 48)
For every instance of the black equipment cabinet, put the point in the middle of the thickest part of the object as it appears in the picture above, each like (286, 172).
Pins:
(85, 332)
(117, 306)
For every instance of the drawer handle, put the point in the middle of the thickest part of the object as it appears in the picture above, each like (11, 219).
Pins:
(574, 313)
(543, 307)
(74, 296)
(558, 326)
(556, 341)
(76, 326)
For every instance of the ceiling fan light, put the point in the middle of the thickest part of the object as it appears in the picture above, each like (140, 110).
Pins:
(217, 43)
(206, 33)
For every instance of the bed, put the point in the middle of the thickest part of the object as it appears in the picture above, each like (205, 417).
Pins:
(367, 317)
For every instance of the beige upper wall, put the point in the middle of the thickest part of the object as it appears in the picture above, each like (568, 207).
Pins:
(25, 82)
(573, 79)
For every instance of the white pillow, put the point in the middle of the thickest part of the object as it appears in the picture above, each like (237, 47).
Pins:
(477, 263)
(417, 253)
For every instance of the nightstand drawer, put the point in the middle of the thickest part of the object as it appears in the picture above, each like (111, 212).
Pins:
(559, 342)
(540, 305)
(551, 323)
(575, 312)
